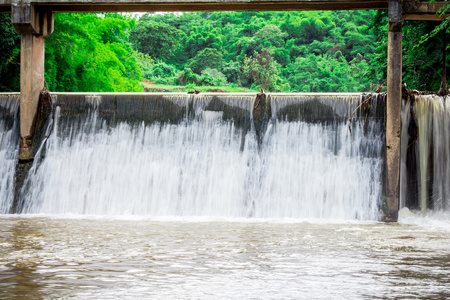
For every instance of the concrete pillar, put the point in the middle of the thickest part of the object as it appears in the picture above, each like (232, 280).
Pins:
(33, 25)
(393, 113)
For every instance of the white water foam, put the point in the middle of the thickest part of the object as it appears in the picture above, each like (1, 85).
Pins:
(8, 151)
(432, 152)
(196, 168)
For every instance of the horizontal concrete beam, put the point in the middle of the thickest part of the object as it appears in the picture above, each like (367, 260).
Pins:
(28, 20)
(197, 5)
(424, 11)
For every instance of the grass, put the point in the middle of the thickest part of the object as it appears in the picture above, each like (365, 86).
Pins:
(159, 88)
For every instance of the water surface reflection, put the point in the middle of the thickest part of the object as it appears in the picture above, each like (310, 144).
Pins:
(48, 257)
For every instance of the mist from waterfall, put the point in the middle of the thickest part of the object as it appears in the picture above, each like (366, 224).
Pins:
(9, 140)
(425, 172)
(207, 166)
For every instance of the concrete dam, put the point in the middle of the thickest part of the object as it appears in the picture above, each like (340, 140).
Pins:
(232, 155)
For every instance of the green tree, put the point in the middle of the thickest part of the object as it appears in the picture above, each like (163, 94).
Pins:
(9, 55)
(187, 76)
(422, 61)
(92, 54)
(270, 36)
(207, 58)
(159, 40)
(262, 69)
(232, 70)
(213, 77)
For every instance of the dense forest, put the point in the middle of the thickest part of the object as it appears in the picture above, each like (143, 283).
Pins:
(313, 51)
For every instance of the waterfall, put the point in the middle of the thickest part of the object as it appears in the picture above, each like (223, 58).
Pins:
(425, 157)
(102, 160)
(199, 155)
(9, 138)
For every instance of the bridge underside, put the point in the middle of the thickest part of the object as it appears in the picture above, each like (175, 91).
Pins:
(412, 10)
(179, 6)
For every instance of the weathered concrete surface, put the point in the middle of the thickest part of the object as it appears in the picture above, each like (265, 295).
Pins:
(313, 107)
(262, 113)
(31, 83)
(135, 108)
(131, 108)
(422, 11)
(393, 113)
(29, 19)
(236, 107)
(33, 25)
(9, 105)
(202, 5)
(412, 9)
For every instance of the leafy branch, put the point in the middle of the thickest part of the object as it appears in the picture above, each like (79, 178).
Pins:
(443, 26)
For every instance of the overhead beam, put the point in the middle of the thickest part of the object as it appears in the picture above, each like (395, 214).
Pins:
(423, 11)
(412, 9)
(223, 6)
(204, 5)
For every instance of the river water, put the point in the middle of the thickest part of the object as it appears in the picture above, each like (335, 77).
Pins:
(202, 209)
(92, 257)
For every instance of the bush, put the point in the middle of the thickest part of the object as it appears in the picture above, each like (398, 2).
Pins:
(146, 63)
(161, 69)
(206, 58)
(187, 76)
(232, 71)
(213, 77)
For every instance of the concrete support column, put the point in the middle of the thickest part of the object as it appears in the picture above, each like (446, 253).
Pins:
(393, 112)
(33, 25)
(31, 83)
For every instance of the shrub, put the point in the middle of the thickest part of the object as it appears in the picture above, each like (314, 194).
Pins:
(213, 77)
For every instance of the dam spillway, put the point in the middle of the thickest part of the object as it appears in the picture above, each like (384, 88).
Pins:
(9, 137)
(200, 155)
(121, 154)
(425, 167)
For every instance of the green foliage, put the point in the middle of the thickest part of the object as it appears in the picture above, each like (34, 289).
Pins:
(422, 53)
(232, 70)
(262, 69)
(316, 73)
(270, 36)
(206, 58)
(234, 43)
(213, 77)
(146, 63)
(161, 69)
(443, 26)
(187, 76)
(88, 52)
(9, 55)
(308, 51)
(157, 39)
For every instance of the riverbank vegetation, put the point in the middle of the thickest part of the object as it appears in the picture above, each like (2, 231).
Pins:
(326, 51)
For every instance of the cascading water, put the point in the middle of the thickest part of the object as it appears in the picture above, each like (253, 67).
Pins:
(209, 165)
(425, 153)
(9, 138)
